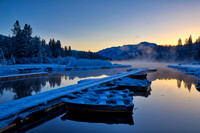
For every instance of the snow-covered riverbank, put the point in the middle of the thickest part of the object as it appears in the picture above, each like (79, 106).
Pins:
(190, 69)
(82, 64)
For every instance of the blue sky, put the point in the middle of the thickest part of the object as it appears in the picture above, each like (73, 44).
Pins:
(97, 24)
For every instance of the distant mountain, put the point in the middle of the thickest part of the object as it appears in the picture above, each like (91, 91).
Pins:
(143, 50)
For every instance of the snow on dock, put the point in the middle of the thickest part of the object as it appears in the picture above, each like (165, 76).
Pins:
(24, 107)
(19, 76)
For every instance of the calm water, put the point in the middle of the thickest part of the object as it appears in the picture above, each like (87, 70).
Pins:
(172, 105)
(12, 90)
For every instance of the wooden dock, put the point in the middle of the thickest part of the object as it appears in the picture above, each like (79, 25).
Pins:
(19, 76)
(24, 107)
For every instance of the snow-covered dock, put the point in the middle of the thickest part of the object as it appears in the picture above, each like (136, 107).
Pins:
(20, 109)
(19, 76)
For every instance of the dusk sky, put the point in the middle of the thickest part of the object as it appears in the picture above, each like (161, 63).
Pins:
(98, 24)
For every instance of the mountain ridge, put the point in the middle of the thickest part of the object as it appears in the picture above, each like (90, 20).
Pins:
(136, 51)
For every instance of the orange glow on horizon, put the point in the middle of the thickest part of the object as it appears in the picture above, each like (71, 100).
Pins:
(163, 40)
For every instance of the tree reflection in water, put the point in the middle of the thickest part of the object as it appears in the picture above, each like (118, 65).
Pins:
(23, 88)
(27, 87)
(169, 74)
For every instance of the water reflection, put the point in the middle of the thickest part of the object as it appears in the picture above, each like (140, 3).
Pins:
(92, 117)
(198, 89)
(12, 90)
(35, 121)
(170, 74)
(169, 107)
(15, 89)
(173, 96)
(22, 88)
(143, 93)
(26, 87)
(164, 73)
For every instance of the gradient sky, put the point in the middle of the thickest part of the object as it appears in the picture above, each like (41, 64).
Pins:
(98, 24)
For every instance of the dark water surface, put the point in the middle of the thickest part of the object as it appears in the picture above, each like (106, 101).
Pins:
(172, 105)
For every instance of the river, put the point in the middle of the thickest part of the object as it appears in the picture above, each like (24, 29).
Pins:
(172, 105)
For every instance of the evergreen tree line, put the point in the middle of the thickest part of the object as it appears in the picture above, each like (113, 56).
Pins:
(188, 50)
(23, 48)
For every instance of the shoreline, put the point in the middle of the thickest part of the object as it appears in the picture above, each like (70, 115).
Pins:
(189, 69)
(9, 70)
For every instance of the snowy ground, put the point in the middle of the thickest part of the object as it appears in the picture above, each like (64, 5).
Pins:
(27, 68)
(191, 69)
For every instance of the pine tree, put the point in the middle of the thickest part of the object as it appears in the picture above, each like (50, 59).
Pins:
(2, 58)
(52, 46)
(48, 51)
(179, 50)
(12, 60)
(189, 47)
(197, 49)
(62, 52)
(20, 45)
(6, 45)
(66, 51)
(43, 48)
(40, 56)
(27, 31)
(57, 49)
(36, 46)
(69, 51)
(17, 29)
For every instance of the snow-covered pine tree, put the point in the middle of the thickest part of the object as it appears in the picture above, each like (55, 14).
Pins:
(6, 46)
(48, 51)
(43, 48)
(53, 47)
(12, 60)
(58, 49)
(2, 58)
(27, 31)
(20, 44)
(36, 46)
(40, 56)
